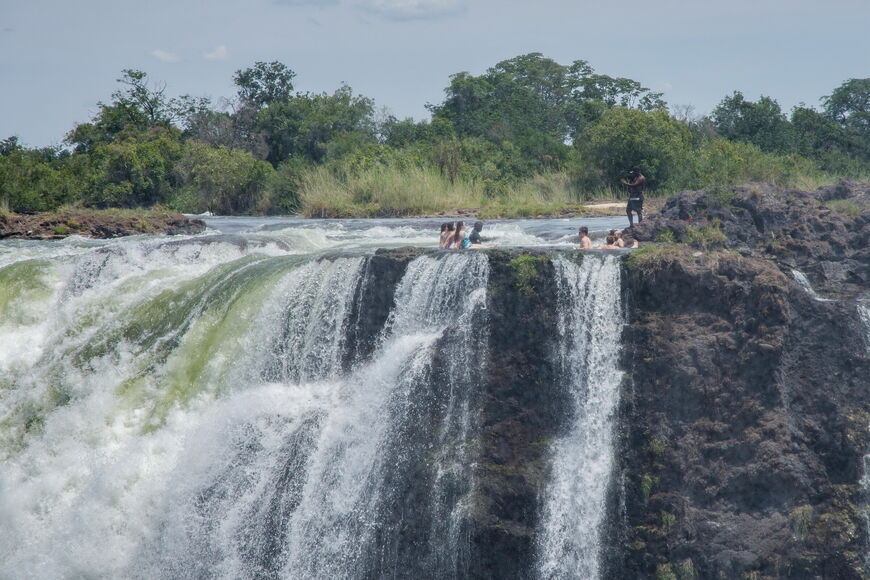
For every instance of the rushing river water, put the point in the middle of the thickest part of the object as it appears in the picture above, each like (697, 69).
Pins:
(197, 407)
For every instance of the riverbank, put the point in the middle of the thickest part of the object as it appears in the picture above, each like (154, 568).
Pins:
(112, 223)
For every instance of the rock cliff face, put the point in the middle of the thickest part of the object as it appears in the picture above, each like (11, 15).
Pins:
(745, 417)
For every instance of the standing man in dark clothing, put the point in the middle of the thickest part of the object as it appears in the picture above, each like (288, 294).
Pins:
(635, 182)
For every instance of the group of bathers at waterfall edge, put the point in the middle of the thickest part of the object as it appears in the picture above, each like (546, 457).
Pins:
(453, 236)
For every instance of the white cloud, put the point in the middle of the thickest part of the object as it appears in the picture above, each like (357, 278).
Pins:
(219, 53)
(164, 56)
(414, 9)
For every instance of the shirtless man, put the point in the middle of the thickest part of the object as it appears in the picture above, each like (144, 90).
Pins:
(635, 185)
(585, 242)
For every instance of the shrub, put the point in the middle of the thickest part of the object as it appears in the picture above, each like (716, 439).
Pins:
(625, 137)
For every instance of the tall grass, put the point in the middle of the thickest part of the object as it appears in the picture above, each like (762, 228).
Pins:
(389, 191)
(384, 191)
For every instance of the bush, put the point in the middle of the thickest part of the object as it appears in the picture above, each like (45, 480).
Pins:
(719, 162)
(225, 181)
(625, 137)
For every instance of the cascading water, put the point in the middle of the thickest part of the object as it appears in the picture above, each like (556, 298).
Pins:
(590, 325)
(804, 283)
(174, 416)
(230, 406)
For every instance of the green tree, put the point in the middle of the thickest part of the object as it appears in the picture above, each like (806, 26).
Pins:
(762, 123)
(626, 137)
(264, 84)
(136, 171)
(849, 106)
(222, 180)
(34, 180)
(305, 125)
(816, 134)
(137, 107)
(536, 104)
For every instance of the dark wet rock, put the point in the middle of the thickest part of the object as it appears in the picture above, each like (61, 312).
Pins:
(518, 407)
(522, 410)
(743, 422)
(824, 233)
(373, 301)
(742, 425)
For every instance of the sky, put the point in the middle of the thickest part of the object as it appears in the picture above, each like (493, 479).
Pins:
(59, 58)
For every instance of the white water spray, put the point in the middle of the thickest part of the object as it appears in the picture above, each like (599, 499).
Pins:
(590, 325)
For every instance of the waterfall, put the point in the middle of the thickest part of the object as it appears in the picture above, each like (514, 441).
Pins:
(864, 315)
(804, 283)
(225, 408)
(189, 412)
(349, 523)
(590, 325)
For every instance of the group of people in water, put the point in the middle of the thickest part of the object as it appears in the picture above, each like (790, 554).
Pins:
(454, 236)
(613, 241)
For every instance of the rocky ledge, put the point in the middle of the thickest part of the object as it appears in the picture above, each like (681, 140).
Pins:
(744, 417)
(824, 233)
(96, 224)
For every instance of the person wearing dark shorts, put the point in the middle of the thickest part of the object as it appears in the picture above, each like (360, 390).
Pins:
(635, 183)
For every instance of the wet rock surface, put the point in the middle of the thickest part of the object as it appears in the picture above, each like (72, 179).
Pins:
(744, 420)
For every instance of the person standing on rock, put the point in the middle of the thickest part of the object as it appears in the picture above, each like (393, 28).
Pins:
(635, 183)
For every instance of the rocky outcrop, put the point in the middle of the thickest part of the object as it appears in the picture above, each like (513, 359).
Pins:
(745, 417)
(96, 224)
(743, 422)
(823, 233)
(518, 407)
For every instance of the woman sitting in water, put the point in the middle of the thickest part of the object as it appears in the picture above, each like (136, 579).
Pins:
(458, 240)
(446, 235)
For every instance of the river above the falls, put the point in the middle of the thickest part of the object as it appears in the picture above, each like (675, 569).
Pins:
(390, 232)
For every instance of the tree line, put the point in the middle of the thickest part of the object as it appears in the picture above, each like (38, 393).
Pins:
(256, 152)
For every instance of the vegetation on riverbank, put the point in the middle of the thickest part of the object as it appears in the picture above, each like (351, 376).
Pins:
(528, 137)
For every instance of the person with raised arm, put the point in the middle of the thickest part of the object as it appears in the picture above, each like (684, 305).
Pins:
(635, 183)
